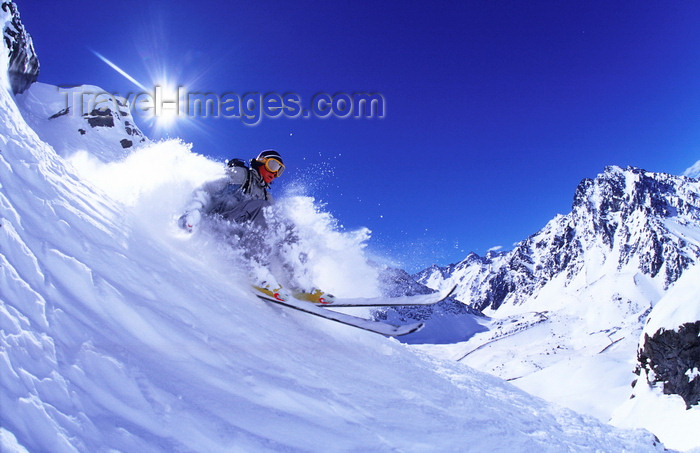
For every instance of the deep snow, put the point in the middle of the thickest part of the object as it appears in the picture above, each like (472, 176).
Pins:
(120, 332)
(650, 408)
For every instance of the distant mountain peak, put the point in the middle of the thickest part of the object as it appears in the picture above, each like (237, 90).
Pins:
(626, 220)
(694, 171)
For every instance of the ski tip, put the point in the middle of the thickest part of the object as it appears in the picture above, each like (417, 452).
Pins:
(450, 292)
(403, 330)
(418, 327)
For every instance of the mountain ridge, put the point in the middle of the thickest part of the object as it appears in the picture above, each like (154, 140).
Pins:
(602, 211)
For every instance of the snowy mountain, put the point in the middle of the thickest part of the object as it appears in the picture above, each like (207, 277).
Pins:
(625, 221)
(448, 321)
(579, 291)
(106, 128)
(118, 332)
(693, 171)
(71, 119)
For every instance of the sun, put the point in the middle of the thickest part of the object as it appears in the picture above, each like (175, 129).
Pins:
(169, 105)
(166, 108)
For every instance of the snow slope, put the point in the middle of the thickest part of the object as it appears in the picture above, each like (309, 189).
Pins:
(667, 415)
(680, 305)
(72, 120)
(119, 333)
(569, 303)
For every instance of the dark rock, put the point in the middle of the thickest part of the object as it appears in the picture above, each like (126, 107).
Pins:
(126, 143)
(100, 118)
(669, 357)
(63, 112)
(23, 67)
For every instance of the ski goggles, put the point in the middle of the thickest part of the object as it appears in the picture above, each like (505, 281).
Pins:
(274, 166)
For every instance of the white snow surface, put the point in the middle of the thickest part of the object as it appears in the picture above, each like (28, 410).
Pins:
(666, 415)
(680, 305)
(120, 333)
(693, 171)
(42, 106)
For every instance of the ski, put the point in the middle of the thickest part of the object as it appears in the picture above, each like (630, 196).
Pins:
(420, 299)
(379, 327)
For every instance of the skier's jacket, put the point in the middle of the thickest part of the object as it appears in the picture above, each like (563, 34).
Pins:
(240, 196)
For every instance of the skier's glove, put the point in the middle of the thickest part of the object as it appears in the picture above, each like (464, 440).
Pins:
(189, 220)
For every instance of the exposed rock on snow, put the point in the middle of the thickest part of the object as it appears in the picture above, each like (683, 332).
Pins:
(71, 120)
(669, 350)
(106, 128)
(23, 67)
(672, 359)
(665, 396)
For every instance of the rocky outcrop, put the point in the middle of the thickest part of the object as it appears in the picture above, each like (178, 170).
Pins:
(63, 117)
(108, 118)
(23, 68)
(671, 358)
(106, 129)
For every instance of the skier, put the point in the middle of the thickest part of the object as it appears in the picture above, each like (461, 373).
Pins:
(238, 197)
(236, 204)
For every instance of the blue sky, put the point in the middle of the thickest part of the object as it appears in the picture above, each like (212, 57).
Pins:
(495, 110)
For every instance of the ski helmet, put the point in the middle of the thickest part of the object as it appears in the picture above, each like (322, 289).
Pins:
(269, 153)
